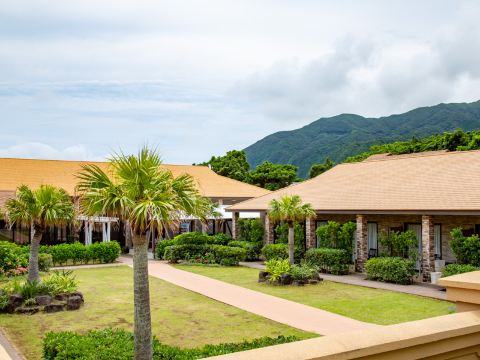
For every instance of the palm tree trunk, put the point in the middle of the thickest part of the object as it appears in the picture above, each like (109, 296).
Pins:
(291, 243)
(141, 296)
(128, 234)
(33, 272)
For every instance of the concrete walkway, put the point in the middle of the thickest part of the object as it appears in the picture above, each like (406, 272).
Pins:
(7, 350)
(427, 290)
(287, 312)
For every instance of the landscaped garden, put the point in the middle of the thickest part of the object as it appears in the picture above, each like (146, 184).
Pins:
(361, 303)
(179, 317)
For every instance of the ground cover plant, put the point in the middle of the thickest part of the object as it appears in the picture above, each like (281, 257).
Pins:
(281, 272)
(118, 344)
(357, 302)
(179, 317)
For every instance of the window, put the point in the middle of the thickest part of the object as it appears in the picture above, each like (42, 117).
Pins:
(372, 236)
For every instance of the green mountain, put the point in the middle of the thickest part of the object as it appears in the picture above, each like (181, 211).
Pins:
(344, 135)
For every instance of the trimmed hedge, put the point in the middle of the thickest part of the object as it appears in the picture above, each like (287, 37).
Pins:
(252, 249)
(275, 251)
(160, 247)
(117, 344)
(223, 255)
(333, 261)
(104, 252)
(454, 269)
(391, 269)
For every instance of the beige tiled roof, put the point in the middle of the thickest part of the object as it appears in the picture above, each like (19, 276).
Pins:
(438, 181)
(61, 173)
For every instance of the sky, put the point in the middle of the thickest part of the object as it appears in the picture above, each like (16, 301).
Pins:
(83, 79)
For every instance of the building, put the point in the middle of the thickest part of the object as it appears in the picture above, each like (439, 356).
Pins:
(429, 193)
(15, 172)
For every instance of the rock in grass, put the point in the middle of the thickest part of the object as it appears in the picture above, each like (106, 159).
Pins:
(43, 300)
(53, 308)
(28, 310)
(14, 301)
(74, 302)
(286, 279)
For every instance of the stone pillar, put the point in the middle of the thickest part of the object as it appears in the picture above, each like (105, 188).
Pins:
(428, 247)
(235, 225)
(310, 233)
(269, 231)
(362, 243)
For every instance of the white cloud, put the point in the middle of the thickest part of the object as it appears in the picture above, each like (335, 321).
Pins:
(35, 150)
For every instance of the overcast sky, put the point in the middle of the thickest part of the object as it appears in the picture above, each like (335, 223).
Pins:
(80, 79)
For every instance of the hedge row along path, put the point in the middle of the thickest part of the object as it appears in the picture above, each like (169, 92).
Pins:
(427, 290)
(287, 312)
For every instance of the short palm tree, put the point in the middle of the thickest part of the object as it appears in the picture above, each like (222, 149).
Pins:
(45, 206)
(147, 198)
(290, 210)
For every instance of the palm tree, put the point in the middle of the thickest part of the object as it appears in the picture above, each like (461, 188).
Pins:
(290, 210)
(46, 206)
(146, 198)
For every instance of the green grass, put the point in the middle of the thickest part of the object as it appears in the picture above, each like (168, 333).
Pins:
(357, 302)
(179, 317)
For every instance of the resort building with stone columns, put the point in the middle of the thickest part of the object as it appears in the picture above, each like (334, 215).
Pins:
(221, 190)
(429, 193)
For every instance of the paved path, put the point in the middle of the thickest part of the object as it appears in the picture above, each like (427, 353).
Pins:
(287, 312)
(426, 290)
(7, 350)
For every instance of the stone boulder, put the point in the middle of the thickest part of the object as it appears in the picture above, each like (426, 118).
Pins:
(74, 302)
(43, 300)
(263, 276)
(298, 283)
(62, 296)
(286, 279)
(77, 293)
(53, 308)
(14, 301)
(28, 310)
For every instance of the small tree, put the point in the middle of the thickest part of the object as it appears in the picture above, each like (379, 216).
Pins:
(46, 206)
(251, 230)
(337, 236)
(399, 244)
(290, 210)
(465, 248)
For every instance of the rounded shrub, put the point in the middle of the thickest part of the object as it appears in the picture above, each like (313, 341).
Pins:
(252, 249)
(391, 269)
(192, 238)
(275, 251)
(333, 261)
(160, 247)
(227, 255)
(45, 262)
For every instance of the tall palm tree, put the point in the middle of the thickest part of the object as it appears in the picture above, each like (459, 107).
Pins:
(290, 210)
(147, 198)
(45, 206)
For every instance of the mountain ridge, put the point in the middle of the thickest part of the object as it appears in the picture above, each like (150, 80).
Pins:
(340, 136)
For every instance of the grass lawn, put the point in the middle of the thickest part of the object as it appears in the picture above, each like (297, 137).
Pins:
(370, 305)
(179, 317)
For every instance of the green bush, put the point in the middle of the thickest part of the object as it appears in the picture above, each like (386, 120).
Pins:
(61, 282)
(104, 252)
(281, 232)
(10, 256)
(45, 262)
(304, 272)
(275, 251)
(220, 239)
(252, 249)
(223, 255)
(334, 235)
(277, 267)
(192, 238)
(465, 248)
(399, 244)
(334, 261)
(391, 269)
(454, 269)
(251, 230)
(117, 344)
(160, 247)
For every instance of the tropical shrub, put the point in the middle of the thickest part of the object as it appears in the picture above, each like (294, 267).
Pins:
(45, 262)
(160, 247)
(117, 344)
(61, 282)
(252, 249)
(276, 268)
(303, 272)
(454, 269)
(219, 239)
(465, 248)
(223, 255)
(192, 238)
(275, 251)
(10, 256)
(334, 261)
(104, 252)
(337, 236)
(251, 230)
(391, 269)
(399, 244)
